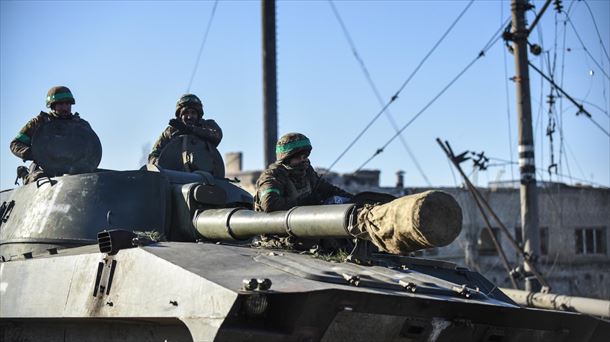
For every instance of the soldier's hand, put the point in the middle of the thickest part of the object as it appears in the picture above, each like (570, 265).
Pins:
(179, 125)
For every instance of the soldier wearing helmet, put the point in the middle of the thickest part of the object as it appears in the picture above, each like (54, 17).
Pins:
(291, 181)
(59, 100)
(188, 120)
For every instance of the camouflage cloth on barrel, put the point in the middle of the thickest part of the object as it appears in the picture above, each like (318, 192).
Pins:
(277, 190)
(21, 146)
(431, 218)
(208, 130)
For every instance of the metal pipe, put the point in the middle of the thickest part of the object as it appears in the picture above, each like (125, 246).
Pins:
(589, 306)
(320, 221)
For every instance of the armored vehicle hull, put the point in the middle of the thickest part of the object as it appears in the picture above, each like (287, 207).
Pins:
(184, 291)
(63, 280)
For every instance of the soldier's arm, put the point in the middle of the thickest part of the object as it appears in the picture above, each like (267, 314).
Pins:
(21, 146)
(210, 132)
(21, 149)
(153, 157)
(271, 196)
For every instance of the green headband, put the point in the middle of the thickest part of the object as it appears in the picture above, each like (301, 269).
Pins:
(292, 145)
(59, 97)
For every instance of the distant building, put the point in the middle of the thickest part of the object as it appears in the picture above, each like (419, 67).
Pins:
(573, 220)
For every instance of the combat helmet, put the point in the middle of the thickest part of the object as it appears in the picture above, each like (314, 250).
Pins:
(189, 101)
(290, 145)
(59, 94)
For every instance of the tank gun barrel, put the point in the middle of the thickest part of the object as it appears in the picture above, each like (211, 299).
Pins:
(319, 221)
(424, 220)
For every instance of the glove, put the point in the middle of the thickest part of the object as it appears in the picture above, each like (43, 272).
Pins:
(179, 125)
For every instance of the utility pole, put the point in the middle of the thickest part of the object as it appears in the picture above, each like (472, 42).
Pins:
(269, 81)
(527, 165)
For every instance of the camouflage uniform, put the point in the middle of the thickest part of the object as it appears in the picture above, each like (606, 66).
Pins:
(21, 146)
(281, 188)
(208, 130)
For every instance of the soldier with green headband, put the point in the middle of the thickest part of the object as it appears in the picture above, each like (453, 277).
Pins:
(188, 120)
(59, 100)
(291, 181)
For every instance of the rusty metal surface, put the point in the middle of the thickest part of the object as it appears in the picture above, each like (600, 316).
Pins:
(66, 147)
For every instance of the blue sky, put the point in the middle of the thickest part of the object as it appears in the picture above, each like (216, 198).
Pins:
(128, 62)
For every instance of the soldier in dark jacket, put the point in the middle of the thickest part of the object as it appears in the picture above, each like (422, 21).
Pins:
(189, 120)
(60, 101)
(291, 181)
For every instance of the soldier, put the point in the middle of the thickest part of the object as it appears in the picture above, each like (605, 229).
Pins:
(291, 181)
(189, 120)
(60, 101)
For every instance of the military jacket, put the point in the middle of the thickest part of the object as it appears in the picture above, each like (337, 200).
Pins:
(207, 130)
(277, 190)
(21, 146)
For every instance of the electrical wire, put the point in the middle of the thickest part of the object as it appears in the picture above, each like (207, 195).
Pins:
(205, 38)
(375, 90)
(601, 42)
(602, 110)
(404, 84)
(508, 120)
(582, 180)
(585, 48)
(381, 149)
(580, 107)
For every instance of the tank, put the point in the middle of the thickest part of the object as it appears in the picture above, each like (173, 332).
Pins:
(167, 255)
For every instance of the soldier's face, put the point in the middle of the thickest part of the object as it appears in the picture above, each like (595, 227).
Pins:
(300, 160)
(63, 109)
(189, 116)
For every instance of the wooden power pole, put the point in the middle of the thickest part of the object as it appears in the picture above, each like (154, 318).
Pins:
(527, 165)
(269, 81)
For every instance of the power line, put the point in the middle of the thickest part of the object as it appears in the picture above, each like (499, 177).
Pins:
(205, 38)
(585, 48)
(597, 30)
(404, 84)
(604, 111)
(558, 174)
(508, 119)
(581, 109)
(376, 90)
(494, 38)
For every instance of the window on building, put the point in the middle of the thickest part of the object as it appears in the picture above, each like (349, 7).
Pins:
(485, 243)
(590, 240)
